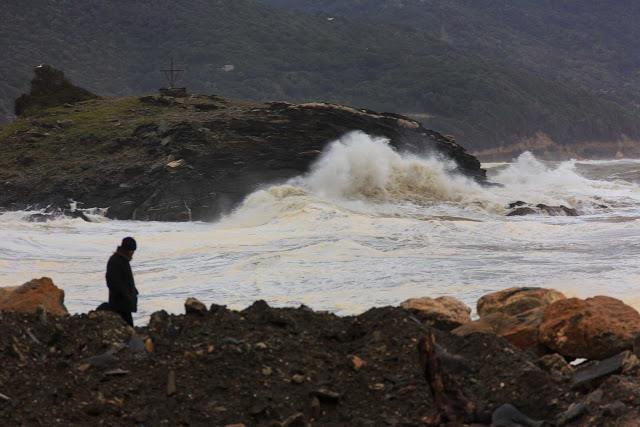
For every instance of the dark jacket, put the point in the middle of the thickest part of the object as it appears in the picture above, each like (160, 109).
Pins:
(123, 295)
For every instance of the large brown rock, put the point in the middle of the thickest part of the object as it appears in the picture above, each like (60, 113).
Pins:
(595, 328)
(442, 312)
(517, 300)
(514, 314)
(29, 296)
(520, 330)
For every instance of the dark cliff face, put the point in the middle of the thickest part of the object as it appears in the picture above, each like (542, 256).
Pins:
(180, 159)
(49, 88)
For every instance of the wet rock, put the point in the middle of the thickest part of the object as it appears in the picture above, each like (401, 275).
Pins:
(517, 300)
(29, 296)
(516, 204)
(521, 208)
(595, 328)
(557, 210)
(508, 415)
(194, 306)
(522, 211)
(443, 312)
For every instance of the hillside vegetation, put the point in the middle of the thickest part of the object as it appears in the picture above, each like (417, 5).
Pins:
(244, 49)
(585, 43)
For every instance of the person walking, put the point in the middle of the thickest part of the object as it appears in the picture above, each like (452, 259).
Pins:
(123, 295)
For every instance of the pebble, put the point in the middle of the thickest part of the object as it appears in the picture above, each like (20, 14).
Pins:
(116, 372)
(261, 346)
(315, 407)
(357, 363)
(326, 395)
(266, 371)
(230, 340)
(148, 345)
(171, 383)
(297, 379)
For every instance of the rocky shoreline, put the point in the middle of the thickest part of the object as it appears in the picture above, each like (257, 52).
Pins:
(423, 363)
(177, 158)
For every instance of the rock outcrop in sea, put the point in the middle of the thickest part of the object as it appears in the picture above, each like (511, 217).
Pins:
(180, 159)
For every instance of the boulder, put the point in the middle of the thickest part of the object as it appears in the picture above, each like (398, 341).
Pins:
(442, 312)
(514, 314)
(595, 328)
(517, 300)
(194, 306)
(29, 296)
(520, 330)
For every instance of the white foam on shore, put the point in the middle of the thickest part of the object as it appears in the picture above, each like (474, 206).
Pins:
(367, 226)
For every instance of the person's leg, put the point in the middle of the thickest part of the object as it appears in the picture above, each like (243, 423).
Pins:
(127, 317)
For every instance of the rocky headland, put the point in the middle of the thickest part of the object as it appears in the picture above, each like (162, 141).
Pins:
(424, 363)
(176, 158)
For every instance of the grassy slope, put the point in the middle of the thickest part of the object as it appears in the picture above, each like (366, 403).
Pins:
(117, 47)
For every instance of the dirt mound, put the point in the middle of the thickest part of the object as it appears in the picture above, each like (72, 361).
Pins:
(284, 367)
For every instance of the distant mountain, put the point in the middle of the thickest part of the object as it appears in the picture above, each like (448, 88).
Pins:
(246, 49)
(586, 43)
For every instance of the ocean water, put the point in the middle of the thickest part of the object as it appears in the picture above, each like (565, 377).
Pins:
(366, 227)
